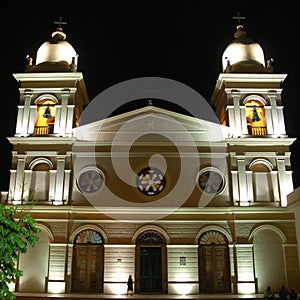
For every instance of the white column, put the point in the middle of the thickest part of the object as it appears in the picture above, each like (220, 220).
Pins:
(52, 185)
(59, 180)
(66, 186)
(282, 181)
(235, 188)
(274, 180)
(19, 183)
(269, 123)
(32, 118)
(250, 194)
(244, 120)
(231, 119)
(275, 120)
(243, 190)
(70, 115)
(26, 112)
(281, 119)
(19, 119)
(27, 185)
(12, 184)
(237, 112)
(63, 114)
(57, 119)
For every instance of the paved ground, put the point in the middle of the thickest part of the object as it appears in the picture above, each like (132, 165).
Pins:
(78, 296)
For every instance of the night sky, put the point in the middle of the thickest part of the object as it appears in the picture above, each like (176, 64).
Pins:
(176, 40)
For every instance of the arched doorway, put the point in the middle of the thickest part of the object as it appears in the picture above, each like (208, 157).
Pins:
(269, 258)
(151, 263)
(88, 261)
(34, 275)
(214, 267)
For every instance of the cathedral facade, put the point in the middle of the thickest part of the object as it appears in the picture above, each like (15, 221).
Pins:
(185, 203)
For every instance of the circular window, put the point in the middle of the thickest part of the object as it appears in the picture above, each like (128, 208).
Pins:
(211, 182)
(150, 181)
(90, 181)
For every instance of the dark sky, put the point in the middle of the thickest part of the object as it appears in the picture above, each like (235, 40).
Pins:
(183, 41)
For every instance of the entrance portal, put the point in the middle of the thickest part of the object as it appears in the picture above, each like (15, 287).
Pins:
(214, 272)
(87, 270)
(151, 269)
(151, 263)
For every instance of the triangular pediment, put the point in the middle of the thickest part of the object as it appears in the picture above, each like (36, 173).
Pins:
(154, 123)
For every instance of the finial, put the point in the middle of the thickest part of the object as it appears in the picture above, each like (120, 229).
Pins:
(29, 59)
(228, 67)
(59, 23)
(270, 65)
(73, 66)
(29, 66)
(150, 102)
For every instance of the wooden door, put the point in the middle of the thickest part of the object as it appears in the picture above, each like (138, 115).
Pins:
(87, 272)
(150, 270)
(214, 270)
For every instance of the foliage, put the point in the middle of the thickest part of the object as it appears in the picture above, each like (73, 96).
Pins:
(17, 233)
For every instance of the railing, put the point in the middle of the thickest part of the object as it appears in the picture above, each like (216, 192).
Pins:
(257, 130)
(43, 130)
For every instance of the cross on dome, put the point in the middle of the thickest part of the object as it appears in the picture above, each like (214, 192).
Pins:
(238, 17)
(60, 22)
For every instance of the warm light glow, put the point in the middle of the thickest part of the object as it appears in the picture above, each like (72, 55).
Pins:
(246, 288)
(116, 288)
(56, 287)
(181, 276)
(16, 202)
(183, 288)
(119, 274)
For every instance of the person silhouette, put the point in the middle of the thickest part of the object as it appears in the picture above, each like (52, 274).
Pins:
(283, 293)
(293, 294)
(130, 286)
(268, 294)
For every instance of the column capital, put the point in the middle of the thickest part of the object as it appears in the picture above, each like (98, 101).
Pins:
(28, 92)
(65, 92)
(272, 93)
(235, 93)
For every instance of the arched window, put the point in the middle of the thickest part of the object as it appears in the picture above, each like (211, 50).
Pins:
(88, 237)
(151, 237)
(263, 187)
(45, 117)
(213, 237)
(255, 115)
(40, 178)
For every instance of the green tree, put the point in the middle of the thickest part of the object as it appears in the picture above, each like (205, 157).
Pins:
(17, 232)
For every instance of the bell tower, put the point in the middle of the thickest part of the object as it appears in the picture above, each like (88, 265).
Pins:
(52, 98)
(247, 98)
